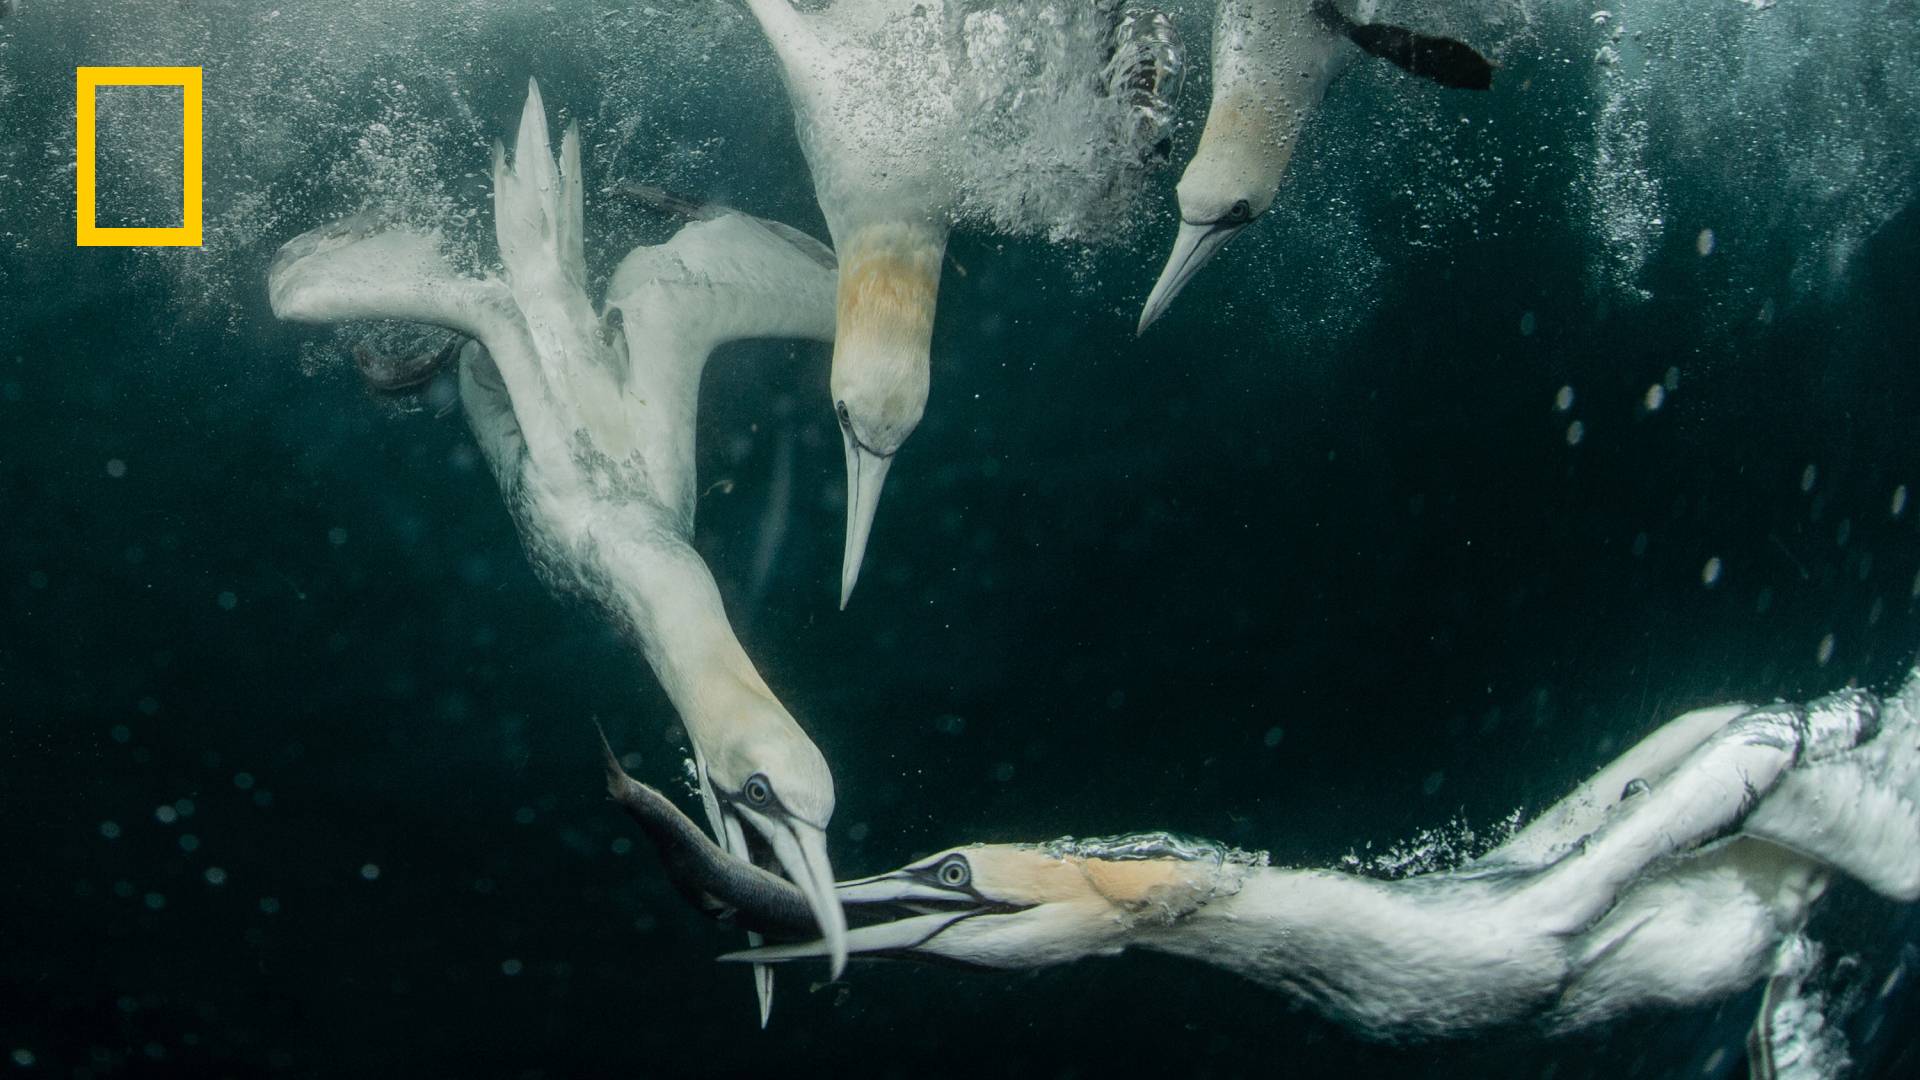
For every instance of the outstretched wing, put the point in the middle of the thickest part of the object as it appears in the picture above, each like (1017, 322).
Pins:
(1549, 836)
(724, 279)
(729, 277)
(354, 269)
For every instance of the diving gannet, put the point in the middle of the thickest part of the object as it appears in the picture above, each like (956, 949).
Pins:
(1682, 872)
(880, 99)
(588, 421)
(1272, 61)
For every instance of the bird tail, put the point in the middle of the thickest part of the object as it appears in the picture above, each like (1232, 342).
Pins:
(538, 209)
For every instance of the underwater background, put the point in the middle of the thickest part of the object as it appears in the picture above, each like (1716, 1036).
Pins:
(1525, 421)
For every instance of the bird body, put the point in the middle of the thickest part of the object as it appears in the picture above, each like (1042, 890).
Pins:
(588, 422)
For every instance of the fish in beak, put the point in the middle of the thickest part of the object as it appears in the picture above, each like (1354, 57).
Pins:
(726, 881)
(866, 472)
(801, 849)
(1192, 248)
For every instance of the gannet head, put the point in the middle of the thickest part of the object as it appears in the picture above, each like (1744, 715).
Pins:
(889, 281)
(1220, 194)
(1022, 906)
(771, 786)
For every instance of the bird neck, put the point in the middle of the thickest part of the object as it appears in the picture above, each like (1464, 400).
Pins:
(1354, 949)
(889, 282)
(1270, 919)
(639, 564)
(1272, 61)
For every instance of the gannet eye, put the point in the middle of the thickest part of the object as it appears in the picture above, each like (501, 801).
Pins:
(954, 873)
(840, 410)
(1238, 211)
(757, 791)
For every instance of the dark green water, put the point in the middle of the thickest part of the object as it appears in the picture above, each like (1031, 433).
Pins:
(1313, 565)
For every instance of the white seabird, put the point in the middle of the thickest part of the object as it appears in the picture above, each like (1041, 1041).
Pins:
(1272, 63)
(1681, 873)
(862, 76)
(588, 421)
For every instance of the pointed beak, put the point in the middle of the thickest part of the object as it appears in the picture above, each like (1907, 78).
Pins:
(802, 851)
(899, 936)
(1191, 249)
(932, 910)
(866, 471)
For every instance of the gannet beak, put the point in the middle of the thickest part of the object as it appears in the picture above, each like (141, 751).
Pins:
(802, 851)
(1191, 249)
(866, 471)
(935, 908)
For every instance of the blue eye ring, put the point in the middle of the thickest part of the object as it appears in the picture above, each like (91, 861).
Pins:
(757, 791)
(953, 872)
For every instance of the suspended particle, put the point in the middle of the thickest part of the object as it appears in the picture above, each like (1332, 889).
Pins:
(1808, 475)
(1527, 324)
(1899, 504)
(1704, 243)
(1710, 573)
(1825, 651)
(1656, 397)
(1575, 432)
(1563, 400)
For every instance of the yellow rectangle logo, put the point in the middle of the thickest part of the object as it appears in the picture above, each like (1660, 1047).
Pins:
(86, 81)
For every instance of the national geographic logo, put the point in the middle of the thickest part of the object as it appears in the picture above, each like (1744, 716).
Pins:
(86, 81)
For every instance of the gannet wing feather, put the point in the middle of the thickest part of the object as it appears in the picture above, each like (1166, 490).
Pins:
(723, 279)
(1585, 807)
(356, 269)
(794, 41)
(727, 278)
(1858, 811)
